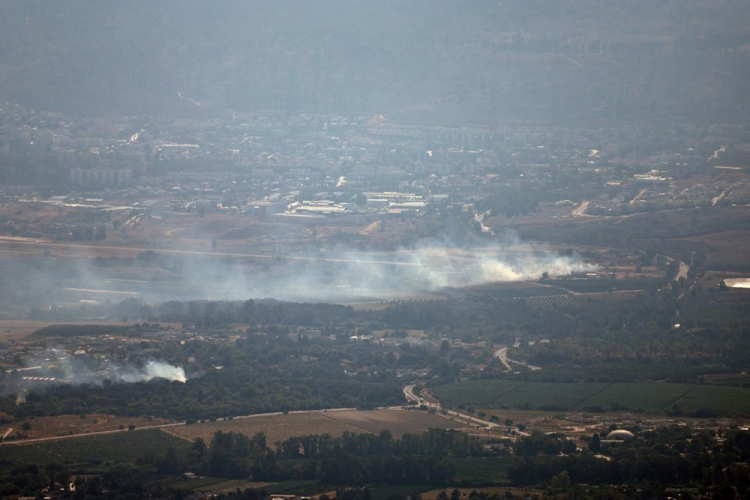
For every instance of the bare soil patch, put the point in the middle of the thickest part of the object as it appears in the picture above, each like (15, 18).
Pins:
(275, 427)
(399, 422)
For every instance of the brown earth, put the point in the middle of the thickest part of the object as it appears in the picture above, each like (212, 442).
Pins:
(63, 425)
(276, 427)
(399, 422)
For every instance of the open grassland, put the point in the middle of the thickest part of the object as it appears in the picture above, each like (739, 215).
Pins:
(120, 446)
(399, 422)
(275, 427)
(651, 397)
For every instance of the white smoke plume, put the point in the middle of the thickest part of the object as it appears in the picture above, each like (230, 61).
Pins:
(152, 369)
(346, 274)
(57, 366)
(337, 274)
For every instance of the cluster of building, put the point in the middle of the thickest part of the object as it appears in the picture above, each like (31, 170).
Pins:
(328, 166)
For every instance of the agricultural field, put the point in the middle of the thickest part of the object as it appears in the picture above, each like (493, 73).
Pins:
(63, 425)
(651, 397)
(475, 392)
(17, 329)
(214, 485)
(725, 400)
(554, 301)
(399, 491)
(603, 285)
(275, 427)
(544, 394)
(124, 446)
(636, 396)
(481, 469)
(30, 454)
(399, 422)
(492, 490)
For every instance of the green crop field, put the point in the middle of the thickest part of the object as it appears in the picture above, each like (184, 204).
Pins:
(653, 397)
(482, 469)
(30, 454)
(102, 447)
(210, 484)
(543, 394)
(401, 491)
(647, 396)
(479, 392)
(723, 400)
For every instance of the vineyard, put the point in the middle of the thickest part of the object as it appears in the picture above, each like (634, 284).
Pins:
(554, 301)
(275, 427)
(120, 446)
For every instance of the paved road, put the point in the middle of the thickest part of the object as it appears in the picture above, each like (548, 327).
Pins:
(70, 436)
(683, 272)
(462, 417)
(178, 424)
(502, 355)
(580, 210)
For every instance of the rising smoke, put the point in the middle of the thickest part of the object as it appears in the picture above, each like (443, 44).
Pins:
(152, 369)
(346, 274)
(341, 274)
(57, 366)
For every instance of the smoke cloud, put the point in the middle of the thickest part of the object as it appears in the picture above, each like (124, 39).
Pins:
(335, 275)
(346, 275)
(57, 366)
(152, 369)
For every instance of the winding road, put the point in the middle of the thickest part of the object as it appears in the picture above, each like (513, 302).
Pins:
(502, 355)
(455, 415)
(408, 394)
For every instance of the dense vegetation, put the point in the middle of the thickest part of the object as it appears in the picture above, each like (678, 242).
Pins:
(666, 457)
(259, 373)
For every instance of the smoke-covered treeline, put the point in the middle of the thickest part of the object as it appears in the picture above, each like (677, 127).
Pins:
(42, 283)
(259, 373)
